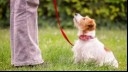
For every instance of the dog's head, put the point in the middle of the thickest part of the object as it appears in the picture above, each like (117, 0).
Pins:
(84, 23)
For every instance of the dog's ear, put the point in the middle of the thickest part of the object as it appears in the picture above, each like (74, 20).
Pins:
(91, 21)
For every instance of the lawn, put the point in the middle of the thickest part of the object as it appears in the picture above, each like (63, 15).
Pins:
(57, 53)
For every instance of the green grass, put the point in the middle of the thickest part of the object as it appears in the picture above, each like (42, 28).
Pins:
(57, 53)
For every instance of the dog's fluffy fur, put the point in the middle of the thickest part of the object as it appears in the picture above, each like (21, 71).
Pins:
(91, 49)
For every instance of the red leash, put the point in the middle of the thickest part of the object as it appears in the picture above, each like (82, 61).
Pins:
(57, 16)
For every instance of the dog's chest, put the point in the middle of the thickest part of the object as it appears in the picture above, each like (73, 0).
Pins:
(91, 45)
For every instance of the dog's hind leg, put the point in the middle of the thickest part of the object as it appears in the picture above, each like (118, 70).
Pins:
(111, 60)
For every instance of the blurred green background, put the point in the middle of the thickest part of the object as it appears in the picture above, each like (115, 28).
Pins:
(107, 13)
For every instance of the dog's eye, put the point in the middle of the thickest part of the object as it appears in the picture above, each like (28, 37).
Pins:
(84, 18)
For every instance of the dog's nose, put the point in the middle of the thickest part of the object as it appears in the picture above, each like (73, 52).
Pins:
(76, 14)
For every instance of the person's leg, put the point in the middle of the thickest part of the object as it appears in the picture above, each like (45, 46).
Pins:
(24, 33)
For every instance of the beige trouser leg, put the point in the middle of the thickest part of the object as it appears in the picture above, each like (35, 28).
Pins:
(24, 33)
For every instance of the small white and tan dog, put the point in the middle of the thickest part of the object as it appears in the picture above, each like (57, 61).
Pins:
(88, 47)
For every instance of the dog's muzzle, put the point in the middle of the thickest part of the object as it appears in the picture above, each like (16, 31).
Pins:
(77, 17)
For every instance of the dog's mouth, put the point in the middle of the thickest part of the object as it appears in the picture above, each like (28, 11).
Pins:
(75, 20)
(77, 17)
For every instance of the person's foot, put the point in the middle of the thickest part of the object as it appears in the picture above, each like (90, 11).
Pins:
(36, 65)
(28, 65)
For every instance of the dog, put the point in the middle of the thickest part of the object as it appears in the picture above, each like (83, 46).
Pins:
(88, 47)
